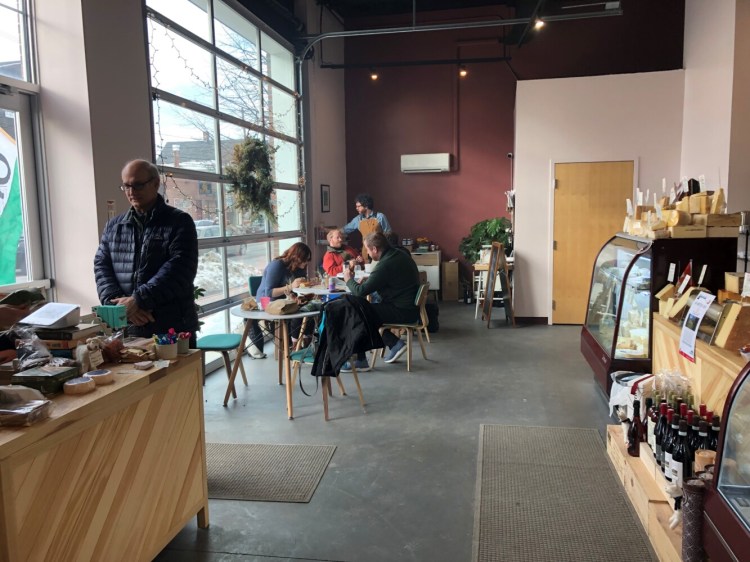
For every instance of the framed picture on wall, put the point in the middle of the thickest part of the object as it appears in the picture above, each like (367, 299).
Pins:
(325, 198)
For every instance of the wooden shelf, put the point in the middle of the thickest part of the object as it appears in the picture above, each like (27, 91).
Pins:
(645, 487)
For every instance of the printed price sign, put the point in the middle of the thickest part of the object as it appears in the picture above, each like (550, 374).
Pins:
(670, 275)
(703, 273)
(746, 286)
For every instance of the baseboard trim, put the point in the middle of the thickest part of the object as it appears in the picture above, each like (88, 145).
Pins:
(531, 319)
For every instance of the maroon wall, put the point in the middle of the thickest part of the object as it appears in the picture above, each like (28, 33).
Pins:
(423, 109)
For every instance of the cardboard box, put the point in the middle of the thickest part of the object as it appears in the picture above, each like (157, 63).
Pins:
(449, 283)
(733, 281)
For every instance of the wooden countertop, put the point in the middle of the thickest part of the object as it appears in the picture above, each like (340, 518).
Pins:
(70, 408)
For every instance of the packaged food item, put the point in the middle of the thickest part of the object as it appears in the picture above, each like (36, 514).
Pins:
(22, 406)
(47, 379)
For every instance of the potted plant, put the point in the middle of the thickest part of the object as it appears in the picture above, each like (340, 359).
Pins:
(483, 233)
(250, 174)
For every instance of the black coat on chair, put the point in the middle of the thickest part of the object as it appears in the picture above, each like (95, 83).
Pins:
(350, 326)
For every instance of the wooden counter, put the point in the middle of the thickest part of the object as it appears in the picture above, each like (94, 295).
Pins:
(710, 376)
(111, 475)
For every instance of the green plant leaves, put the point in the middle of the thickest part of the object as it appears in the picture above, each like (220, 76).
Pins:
(251, 176)
(483, 233)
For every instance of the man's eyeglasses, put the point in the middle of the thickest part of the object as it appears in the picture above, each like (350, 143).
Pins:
(135, 186)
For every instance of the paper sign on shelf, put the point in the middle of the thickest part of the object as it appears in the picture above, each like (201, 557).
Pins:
(670, 275)
(630, 207)
(663, 186)
(702, 182)
(692, 322)
(746, 286)
(638, 197)
(659, 214)
(683, 285)
(672, 196)
(703, 273)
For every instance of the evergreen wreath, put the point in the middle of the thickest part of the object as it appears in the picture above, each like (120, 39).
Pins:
(251, 179)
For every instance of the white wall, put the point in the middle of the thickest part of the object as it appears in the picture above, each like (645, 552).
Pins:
(709, 65)
(600, 118)
(325, 134)
(739, 150)
(95, 110)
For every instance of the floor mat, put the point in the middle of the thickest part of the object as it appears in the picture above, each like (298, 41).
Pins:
(549, 493)
(270, 473)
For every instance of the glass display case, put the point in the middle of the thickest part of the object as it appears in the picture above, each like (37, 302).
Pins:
(727, 507)
(627, 273)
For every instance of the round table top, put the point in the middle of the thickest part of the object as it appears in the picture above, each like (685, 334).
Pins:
(262, 315)
(319, 290)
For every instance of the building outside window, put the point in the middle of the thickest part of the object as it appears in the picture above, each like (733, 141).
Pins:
(218, 78)
(21, 259)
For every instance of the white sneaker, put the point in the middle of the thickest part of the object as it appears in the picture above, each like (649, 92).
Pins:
(255, 353)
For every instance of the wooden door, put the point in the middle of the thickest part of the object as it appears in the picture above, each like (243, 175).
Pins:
(589, 208)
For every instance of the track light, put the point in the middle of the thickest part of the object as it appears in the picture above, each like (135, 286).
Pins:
(462, 72)
(538, 24)
(373, 74)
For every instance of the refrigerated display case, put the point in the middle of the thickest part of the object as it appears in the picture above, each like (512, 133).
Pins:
(726, 521)
(627, 273)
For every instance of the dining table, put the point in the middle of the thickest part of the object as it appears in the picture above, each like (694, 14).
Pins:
(285, 355)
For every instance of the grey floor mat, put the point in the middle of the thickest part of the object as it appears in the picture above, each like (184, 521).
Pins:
(547, 493)
(263, 472)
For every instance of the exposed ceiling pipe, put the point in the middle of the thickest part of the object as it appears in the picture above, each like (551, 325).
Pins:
(311, 40)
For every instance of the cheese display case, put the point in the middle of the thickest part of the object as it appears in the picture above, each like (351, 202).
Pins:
(627, 273)
(726, 528)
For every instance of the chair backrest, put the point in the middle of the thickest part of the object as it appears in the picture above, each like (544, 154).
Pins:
(253, 282)
(421, 300)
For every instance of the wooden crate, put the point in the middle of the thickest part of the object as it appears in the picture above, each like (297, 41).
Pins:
(688, 231)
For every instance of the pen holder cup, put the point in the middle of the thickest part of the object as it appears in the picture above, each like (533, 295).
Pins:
(183, 346)
(168, 351)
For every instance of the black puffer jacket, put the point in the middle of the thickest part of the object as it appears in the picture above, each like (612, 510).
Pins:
(156, 264)
(350, 326)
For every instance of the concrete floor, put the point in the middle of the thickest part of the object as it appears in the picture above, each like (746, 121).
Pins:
(401, 484)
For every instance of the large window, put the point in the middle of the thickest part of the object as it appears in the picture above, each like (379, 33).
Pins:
(217, 79)
(20, 233)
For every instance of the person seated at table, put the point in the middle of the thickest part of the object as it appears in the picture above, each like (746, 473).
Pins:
(396, 279)
(337, 255)
(283, 274)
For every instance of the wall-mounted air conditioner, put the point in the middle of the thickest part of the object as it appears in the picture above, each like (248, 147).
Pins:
(425, 163)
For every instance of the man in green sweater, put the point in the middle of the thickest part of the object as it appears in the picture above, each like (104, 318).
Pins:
(396, 280)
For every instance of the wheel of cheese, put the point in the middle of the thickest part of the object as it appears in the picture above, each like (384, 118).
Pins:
(101, 376)
(79, 385)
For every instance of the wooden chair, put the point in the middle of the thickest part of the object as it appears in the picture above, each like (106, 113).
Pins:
(223, 343)
(417, 327)
(305, 357)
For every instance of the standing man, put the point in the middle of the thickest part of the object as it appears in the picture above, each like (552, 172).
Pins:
(396, 279)
(367, 220)
(148, 258)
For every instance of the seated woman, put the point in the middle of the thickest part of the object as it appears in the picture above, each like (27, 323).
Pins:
(283, 274)
(337, 254)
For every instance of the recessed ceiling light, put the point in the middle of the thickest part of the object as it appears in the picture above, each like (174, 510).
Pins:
(373, 74)
(462, 72)
(538, 24)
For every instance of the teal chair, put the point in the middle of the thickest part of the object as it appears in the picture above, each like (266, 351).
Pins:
(223, 343)
(253, 282)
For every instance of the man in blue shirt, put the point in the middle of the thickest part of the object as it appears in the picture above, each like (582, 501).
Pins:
(364, 205)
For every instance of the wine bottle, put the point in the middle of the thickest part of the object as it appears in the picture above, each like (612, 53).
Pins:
(669, 447)
(690, 418)
(653, 426)
(702, 436)
(713, 435)
(659, 432)
(647, 427)
(694, 437)
(683, 410)
(682, 462)
(635, 431)
(702, 411)
(665, 435)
